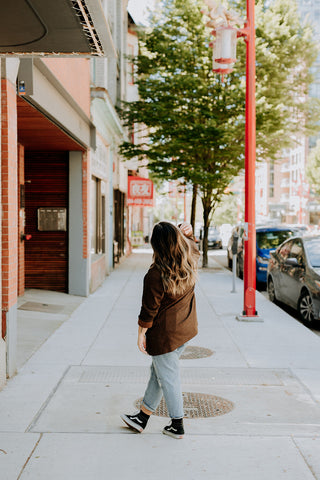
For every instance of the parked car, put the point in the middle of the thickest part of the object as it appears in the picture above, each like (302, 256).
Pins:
(238, 229)
(214, 238)
(301, 229)
(267, 240)
(294, 276)
(225, 231)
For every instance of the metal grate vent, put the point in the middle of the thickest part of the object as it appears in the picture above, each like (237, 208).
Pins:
(189, 375)
(191, 352)
(196, 405)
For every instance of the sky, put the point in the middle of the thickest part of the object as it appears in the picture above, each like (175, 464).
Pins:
(138, 9)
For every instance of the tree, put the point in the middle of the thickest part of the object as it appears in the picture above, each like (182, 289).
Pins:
(196, 122)
(227, 210)
(313, 169)
(285, 53)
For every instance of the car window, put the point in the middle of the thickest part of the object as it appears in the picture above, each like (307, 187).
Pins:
(297, 251)
(284, 251)
(272, 239)
(312, 247)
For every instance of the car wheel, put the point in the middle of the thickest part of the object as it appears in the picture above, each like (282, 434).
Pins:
(305, 307)
(271, 291)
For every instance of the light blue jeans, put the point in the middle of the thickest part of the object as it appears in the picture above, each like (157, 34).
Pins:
(165, 380)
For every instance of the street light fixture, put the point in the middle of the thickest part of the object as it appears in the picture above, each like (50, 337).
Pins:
(226, 44)
(224, 50)
(225, 55)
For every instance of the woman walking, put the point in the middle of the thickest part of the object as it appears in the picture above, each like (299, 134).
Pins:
(167, 321)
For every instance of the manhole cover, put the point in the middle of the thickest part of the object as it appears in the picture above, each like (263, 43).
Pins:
(196, 405)
(41, 307)
(191, 352)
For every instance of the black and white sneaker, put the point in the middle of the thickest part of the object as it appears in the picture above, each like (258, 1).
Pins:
(135, 422)
(175, 429)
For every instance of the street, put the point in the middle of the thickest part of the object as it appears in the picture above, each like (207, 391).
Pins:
(220, 256)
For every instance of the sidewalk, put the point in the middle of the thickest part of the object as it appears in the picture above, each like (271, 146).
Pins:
(59, 417)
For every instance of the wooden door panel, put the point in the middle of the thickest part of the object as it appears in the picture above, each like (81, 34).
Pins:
(46, 254)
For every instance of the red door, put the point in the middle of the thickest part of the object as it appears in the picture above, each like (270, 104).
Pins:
(46, 188)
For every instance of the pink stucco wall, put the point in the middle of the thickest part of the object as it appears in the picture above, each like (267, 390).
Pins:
(74, 74)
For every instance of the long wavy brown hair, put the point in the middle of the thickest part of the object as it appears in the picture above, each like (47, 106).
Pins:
(174, 256)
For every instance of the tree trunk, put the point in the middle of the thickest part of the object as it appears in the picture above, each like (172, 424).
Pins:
(194, 205)
(206, 214)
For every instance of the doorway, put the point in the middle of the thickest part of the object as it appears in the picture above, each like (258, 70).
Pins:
(46, 207)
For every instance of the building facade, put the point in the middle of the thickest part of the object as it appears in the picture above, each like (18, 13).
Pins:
(282, 191)
(109, 173)
(63, 185)
(46, 137)
(140, 217)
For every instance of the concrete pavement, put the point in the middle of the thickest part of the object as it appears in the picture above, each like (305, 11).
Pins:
(59, 417)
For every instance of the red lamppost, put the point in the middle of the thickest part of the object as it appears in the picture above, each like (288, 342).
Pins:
(219, 16)
(249, 302)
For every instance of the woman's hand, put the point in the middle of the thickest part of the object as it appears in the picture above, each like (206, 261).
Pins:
(186, 229)
(142, 340)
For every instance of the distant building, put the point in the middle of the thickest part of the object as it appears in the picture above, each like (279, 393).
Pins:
(108, 184)
(139, 217)
(282, 191)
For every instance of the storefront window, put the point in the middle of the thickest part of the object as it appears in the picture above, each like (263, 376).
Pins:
(97, 217)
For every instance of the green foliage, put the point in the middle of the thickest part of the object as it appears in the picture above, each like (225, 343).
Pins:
(192, 118)
(196, 123)
(285, 51)
(313, 169)
(226, 211)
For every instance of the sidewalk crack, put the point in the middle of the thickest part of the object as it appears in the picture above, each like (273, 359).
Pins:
(304, 458)
(46, 402)
(28, 459)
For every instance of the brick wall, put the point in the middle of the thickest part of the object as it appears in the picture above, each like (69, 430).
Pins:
(21, 221)
(9, 198)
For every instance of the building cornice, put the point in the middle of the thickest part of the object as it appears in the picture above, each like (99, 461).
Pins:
(101, 95)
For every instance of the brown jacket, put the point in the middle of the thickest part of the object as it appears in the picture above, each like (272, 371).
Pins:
(171, 321)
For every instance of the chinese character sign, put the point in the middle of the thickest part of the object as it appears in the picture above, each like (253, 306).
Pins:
(140, 192)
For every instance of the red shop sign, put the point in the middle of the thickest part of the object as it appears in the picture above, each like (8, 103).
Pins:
(140, 192)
